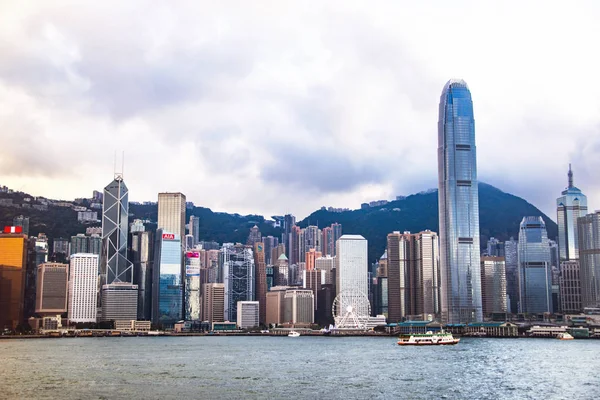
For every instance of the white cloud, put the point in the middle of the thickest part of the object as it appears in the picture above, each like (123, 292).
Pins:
(280, 107)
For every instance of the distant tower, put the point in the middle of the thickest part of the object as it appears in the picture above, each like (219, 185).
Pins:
(535, 273)
(458, 206)
(195, 228)
(254, 237)
(570, 206)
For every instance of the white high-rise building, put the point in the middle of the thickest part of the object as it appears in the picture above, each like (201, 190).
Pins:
(83, 285)
(352, 268)
(247, 314)
(171, 213)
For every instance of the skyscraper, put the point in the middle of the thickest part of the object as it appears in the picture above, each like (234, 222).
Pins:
(589, 259)
(52, 289)
(195, 228)
(13, 257)
(167, 281)
(493, 285)
(458, 206)
(311, 257)
(569, 207)
(570, 287)
(23, 222)
(193, 300)
(535, 273)
(512, 274)
(337, 234)
(254, 236)
(261, 280)
(115, 213)
(171, 213)
(352, 268)
(238, 277)
(142, 255)
(83, 283)
(213, 303)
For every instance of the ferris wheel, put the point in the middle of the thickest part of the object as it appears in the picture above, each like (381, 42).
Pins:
(351, 310)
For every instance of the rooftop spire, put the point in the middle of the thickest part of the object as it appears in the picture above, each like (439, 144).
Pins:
(570, 177)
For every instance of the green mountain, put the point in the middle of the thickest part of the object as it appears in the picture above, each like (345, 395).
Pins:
(500, 214)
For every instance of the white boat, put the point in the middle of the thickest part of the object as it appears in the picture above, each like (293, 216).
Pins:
(427, 339)
(155, 333)
(293, 334)
(564, 336)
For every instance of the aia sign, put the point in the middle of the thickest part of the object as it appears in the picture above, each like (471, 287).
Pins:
(168, 236)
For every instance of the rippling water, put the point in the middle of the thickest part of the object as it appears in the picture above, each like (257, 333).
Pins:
(305, 367)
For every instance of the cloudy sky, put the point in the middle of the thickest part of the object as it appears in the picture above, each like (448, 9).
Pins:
(275, 107)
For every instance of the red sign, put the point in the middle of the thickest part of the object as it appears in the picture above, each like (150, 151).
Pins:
(13, 229)
(168, 236)
(192, 254)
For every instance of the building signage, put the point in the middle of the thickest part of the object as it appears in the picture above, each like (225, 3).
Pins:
(192, 254)
(168, 236)
(13, 229)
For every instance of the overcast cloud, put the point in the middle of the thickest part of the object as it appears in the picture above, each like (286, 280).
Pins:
(276, 107)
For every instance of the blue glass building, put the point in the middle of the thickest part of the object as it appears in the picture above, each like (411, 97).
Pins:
(571, 205)
(167, 285)
(535, 273)
(458, 197)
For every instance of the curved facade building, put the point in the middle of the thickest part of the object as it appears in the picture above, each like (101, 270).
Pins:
(458, 206)
(571, 205)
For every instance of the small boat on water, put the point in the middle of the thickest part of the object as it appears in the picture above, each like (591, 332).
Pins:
(564, 336)
(293, 334)
(427, 339)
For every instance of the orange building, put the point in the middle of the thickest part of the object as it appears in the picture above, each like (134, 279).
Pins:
(13, 258)
(311, 257)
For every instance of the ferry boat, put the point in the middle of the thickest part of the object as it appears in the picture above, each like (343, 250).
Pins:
(293, 334)
(564, 336)
(427, 339)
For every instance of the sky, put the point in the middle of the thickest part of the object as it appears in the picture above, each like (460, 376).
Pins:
(273, 107)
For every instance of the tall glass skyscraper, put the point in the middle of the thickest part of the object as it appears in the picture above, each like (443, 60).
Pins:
(167, 283)
(570, 206)
(238, 277)
(589, 259)
(535, 272)
(458, 197)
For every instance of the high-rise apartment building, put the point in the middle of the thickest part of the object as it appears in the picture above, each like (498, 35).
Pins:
(171, 213)
(193, 299)
(535, 273)
(260, 289)
(311, 257)
(238, 277)
(589, 259)
(23, 222)
(458, 206)
(254, 236)
(276, 252)
(83, 286)
(81, 243)
(167, 281)
(352, 269)
(52, 289)
(493, 285)
(413, 272)
(13, 259)
(247, 314)
(571, 205)
(570, 287)
(194, 228)
(213, 302)
(270, 243)
(337, 234)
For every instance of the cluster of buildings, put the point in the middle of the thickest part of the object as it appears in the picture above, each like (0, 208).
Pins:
(162, 272)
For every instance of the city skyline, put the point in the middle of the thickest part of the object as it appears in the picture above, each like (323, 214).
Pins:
(249, 108)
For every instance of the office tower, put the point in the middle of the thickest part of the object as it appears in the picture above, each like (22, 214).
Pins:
(298, 307)
(326, 264)
(458, 206)
(270, 277)
(288, 222)
(381, 306)
(281, 271)
(312, 240)
(260, 289)
(382, 266)
(570, 287)
(37, 253)
(337, 234)
(569, 207)
(52, 289)
(275, 305)
(535, 274)
(351, 269)
(294, 245)
(254, 237)
(495, 248)
(142, 255)
(13, 259)
(119, 301)
(493, 285)
(189, 242)
(167, 284)
(212, 266)
(83, 284)
(512, 274)
(413, 275)
(193, 300)
(270, 243)
(555, 274)
(589, 259)
(313, 280)
(327, 242)
(115, 213)
(311, 257)
(23, 222)
(238, 277)
(213, 303)
(171, 213)
(195, 228)
(324, 315)
(137, 226)
(276, 252)
(247, 314)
